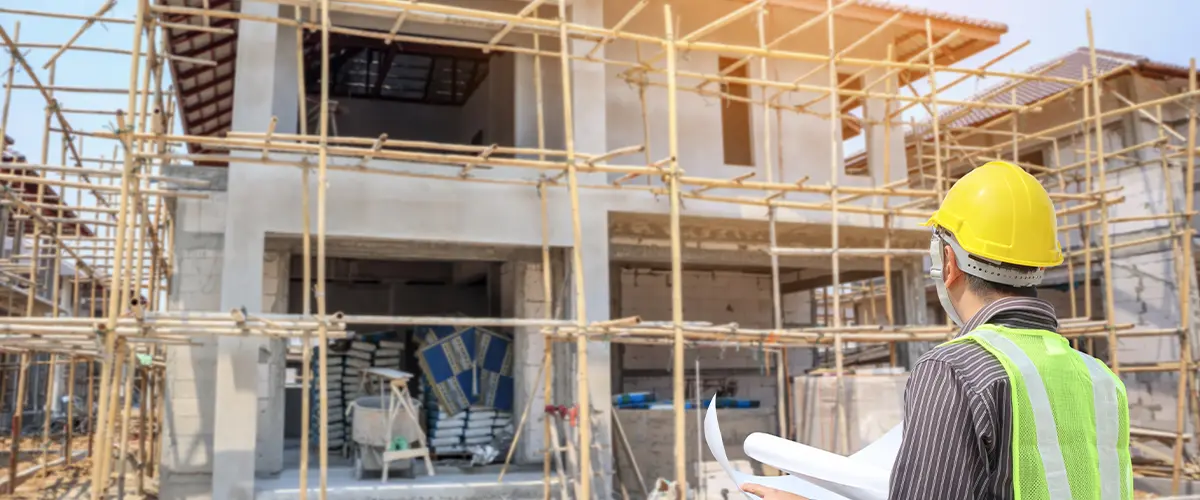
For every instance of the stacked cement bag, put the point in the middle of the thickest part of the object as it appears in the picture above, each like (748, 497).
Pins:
(476, 426)
(338, 373)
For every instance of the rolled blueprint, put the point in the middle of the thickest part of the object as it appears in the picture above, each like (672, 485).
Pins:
(811, 472)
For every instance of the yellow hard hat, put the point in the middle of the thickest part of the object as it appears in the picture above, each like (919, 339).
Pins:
(1001, 213)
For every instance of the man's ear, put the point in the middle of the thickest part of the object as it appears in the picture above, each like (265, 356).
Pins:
(950, 270)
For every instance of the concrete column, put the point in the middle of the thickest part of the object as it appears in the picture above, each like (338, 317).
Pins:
(912, 293)
(264, 86)
(596, 287)
(591, 136)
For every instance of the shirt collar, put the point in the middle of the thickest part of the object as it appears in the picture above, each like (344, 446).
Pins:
(1016, 312)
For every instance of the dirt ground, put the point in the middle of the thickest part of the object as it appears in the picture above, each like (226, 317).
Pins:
(64, 481)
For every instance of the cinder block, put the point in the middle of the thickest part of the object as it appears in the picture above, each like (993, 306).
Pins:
(179, 427)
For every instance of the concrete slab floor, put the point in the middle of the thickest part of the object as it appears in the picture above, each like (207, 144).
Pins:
(452, 482)
(447, 485)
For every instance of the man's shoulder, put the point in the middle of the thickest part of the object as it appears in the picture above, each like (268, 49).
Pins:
(956, 354)
(971, 364)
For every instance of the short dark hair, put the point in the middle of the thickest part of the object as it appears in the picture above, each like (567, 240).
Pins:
(991, 290)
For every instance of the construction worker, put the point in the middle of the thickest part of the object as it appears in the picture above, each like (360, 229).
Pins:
(1008, 409)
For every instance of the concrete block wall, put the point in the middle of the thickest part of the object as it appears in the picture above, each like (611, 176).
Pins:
(190, 394)
(717, 297)
(272, 369)
(652, 440)
(524, 297)
(188, 454)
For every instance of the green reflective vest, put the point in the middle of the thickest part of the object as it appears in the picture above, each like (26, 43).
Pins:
(1070, 417)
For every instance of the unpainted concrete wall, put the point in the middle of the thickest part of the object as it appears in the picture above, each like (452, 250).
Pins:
(650, 435)
(718, 297)
(187, 447)
(188, 456)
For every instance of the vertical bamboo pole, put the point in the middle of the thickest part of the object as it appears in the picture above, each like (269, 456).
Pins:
(142, 416)
(55, 283)
(1062, 186)
(322, 187)
(47, 408)
(776, 300)
(109, 420)
(130, 374)
(1110, 307)
(35, 252)
(99, 470)
(1185, 345)
(91, 391)
(843, 445)
(676, 259)
(887, 218)
(547, 292)
(67, 440)
(160, 413)
(1188, 362)
(1086, 228)
(935, 119)
(581, 347)
(835, 161)
(306, 286)
(1015, 123)
(12, 71)
(547, 270)
(14, 447)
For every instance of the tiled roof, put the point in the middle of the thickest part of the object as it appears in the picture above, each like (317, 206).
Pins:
(1074, 65)
(932, 14)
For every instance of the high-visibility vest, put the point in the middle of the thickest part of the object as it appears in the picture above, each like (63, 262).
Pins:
(1070, 417)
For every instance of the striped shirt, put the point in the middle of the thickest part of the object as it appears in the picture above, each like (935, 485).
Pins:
(958, 414)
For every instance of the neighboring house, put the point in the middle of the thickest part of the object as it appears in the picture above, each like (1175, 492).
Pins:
(421, 246)
(1145, 277)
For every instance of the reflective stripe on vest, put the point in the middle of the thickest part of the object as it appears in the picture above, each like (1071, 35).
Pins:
(1104, 393)
(1043, 416)
(1085, 393)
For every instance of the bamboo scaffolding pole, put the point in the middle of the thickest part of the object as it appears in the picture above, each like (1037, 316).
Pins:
(1186, 243)
(109, 420)
(525, 11)
(563, 165)
(306, 284)
(887, 219)
(58, 15)
(126, 412)
(776, 300)
(931, 49)
(12, 71)
(676, 262)
(86, 24)
(583, 399)
(547, 276)
(991, 62)
(835, 260)
(145, 400)
(100, 471)
(14, 449)
(1182, 270)
(1086, 232)
(1110, 308)
(322, 182)
(68, 441)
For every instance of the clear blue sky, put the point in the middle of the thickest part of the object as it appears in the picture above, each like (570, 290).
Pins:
(74, 68)
(1161, 29)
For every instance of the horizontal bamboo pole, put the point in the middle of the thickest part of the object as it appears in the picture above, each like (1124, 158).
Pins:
(71, 89)
(59, 15)
(851, 252)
